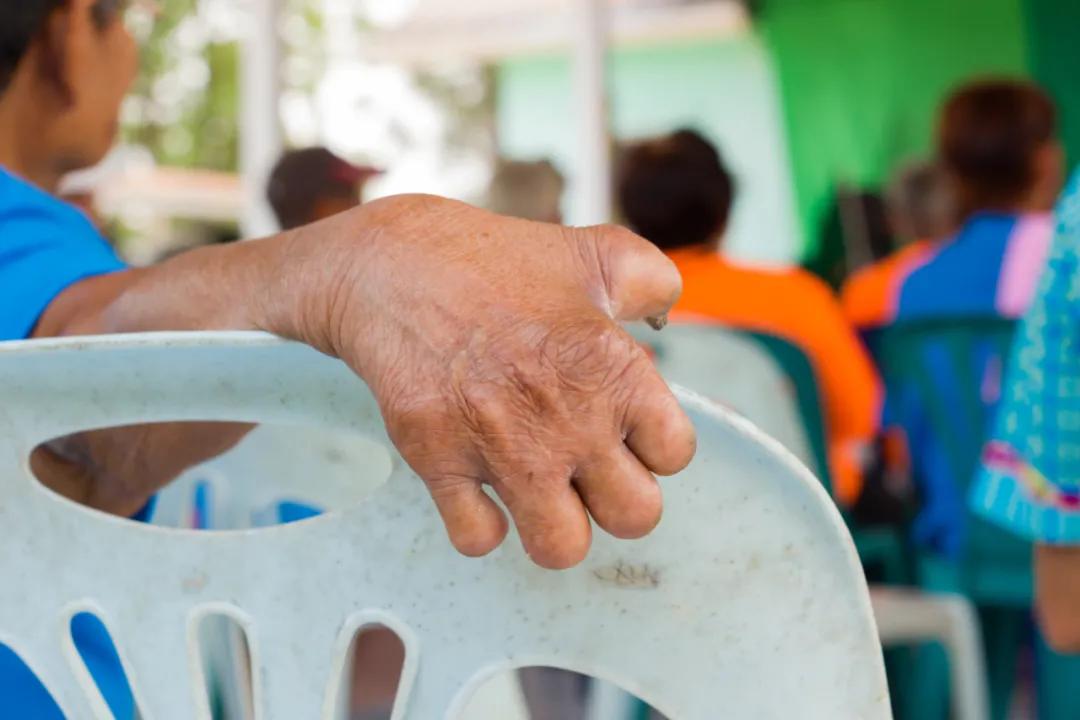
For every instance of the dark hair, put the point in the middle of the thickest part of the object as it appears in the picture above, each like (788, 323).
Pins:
(22, 20)
(675, 190)
(301, 178)
(988, 135)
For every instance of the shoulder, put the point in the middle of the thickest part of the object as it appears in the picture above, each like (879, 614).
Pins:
(29, 214)
(34, 221)
(808, 284)
(869, 296)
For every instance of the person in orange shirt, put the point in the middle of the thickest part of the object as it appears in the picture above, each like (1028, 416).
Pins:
(676, 192)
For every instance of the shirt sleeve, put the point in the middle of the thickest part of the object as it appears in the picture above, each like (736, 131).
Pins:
(44, 249)
(1029, 477)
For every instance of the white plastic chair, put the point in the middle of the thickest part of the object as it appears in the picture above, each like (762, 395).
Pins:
(908, 617)
(736, 372)
(319, 467)
(747, 601)
(322, 468)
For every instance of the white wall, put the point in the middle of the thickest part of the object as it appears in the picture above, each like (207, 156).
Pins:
(726, 89)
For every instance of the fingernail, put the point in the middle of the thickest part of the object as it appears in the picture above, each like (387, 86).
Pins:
(658, 322)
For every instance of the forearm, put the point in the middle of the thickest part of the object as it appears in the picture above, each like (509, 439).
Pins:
(1058, 582)
(482, 338)
(237, 287)
(118, 470)
(217, 288)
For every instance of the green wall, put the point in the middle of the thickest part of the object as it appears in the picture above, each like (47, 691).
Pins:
(1054, 54)
(861, 81)
(826, 92)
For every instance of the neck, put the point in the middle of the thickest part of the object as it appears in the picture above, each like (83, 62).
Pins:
(21, 150)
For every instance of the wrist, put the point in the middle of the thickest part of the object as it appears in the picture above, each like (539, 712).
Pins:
(310, 280)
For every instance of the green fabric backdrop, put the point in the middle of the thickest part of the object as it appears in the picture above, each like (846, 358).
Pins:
(1054, 54)
(861, 79)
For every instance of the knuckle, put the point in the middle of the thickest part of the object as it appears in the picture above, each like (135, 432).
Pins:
(594, 355)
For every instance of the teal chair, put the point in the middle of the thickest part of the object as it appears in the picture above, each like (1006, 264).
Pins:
(880, 548)
(773, 383)
(942, 380)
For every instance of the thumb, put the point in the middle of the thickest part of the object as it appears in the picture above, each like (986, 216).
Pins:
(642, 283)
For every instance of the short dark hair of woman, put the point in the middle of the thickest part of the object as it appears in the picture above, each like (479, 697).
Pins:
(675, 190)
(989, 135)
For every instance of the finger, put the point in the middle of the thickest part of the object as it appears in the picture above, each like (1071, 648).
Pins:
(552, 522)
(475, 523)
(621, 494)
(657, 430)
(641, 281)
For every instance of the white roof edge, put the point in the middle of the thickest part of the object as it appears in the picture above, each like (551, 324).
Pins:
(504, 36)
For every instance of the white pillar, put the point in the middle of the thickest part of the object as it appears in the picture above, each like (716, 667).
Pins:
(261, 138)
(594, 178)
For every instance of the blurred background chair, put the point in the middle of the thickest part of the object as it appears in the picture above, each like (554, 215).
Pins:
(943, 379)
(771, 382)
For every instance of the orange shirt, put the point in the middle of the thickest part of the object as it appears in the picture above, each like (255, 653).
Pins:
(794, 305)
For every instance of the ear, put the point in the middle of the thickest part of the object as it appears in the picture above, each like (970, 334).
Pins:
(59, 47)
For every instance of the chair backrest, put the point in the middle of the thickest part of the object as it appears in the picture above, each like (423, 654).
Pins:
(747, 601)
(943, 381)
(739, 371)
(800, 371)
(276, 471)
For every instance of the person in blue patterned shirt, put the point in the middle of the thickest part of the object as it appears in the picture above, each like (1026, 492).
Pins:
(1029, 481)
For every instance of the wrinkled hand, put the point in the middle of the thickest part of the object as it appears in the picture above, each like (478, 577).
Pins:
(494, 348)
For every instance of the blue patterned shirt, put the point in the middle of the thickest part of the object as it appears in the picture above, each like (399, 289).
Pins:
(1030, 476)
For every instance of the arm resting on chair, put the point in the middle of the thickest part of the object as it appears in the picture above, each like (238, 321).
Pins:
(493, 346)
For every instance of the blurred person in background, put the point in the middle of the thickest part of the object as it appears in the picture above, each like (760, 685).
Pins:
(919, 203)
(998, 148)
(421, 296)
(920, 209)
(314, 184)
(1030, 478)
(676, 192)
(997, 145)
(527, 190)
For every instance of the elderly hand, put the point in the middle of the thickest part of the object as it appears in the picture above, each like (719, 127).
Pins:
(494, 348)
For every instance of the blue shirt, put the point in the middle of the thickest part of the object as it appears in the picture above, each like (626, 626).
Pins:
(45, 247)
(1030, 476)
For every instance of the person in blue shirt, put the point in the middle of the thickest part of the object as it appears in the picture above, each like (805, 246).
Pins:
(1030, 477)
(493, 345)
(997, 144)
